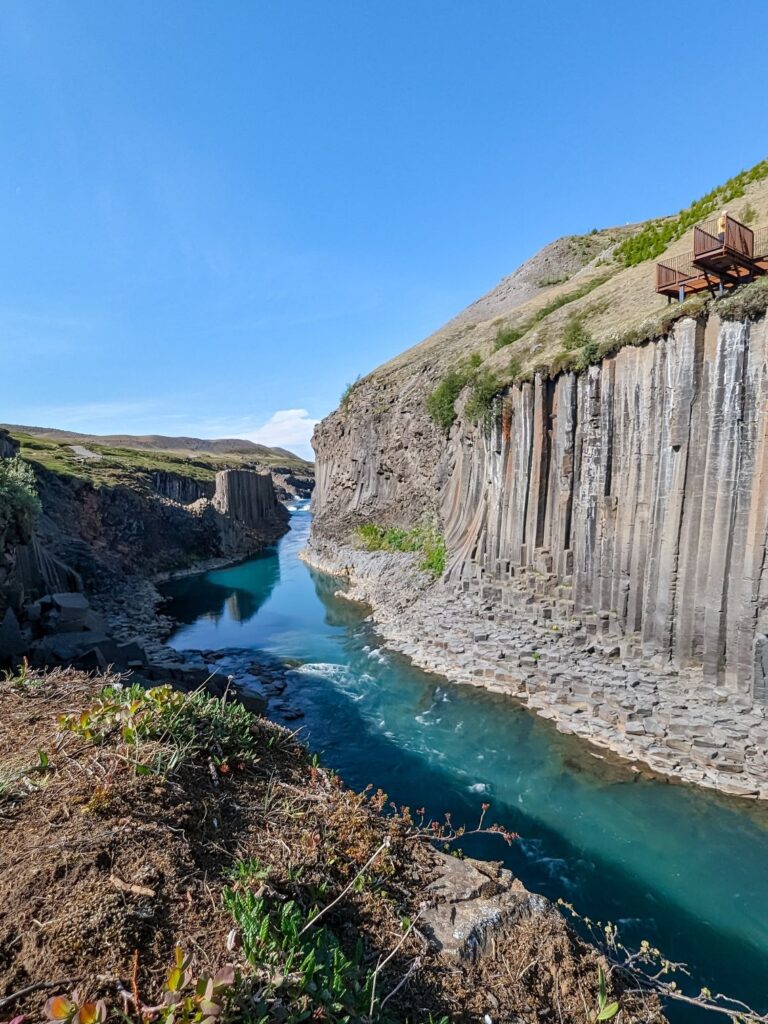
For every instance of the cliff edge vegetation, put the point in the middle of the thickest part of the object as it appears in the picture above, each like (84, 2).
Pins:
(169, 857)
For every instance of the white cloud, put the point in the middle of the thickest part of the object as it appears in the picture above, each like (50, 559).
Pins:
(286, 428)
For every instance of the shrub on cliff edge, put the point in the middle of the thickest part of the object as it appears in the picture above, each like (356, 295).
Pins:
(441, 402)
(19, 503)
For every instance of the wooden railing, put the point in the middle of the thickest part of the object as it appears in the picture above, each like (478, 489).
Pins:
(674, 271)
(760, 250)
(737, 237)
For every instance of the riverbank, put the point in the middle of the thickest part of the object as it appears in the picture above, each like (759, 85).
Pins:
(574, 674)
(131, 605)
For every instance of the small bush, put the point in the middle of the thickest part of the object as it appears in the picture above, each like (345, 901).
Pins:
(748, 214)
(441, 403)
(506, 336)
(347, 393)
(575, 334)
(485, 386)
(19, 503)
(590, 353)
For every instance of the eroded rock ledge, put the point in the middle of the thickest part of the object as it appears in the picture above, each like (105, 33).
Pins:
(484, 634)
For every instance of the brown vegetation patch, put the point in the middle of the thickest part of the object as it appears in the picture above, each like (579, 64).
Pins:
(114, 840)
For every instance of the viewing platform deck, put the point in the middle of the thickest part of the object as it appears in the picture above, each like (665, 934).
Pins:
(719, 261)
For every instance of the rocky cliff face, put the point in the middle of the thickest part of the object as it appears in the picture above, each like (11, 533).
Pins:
(183, 490)
(105, 540)
(248, 507)
(634, 493)
(637, 490)
(181, 521)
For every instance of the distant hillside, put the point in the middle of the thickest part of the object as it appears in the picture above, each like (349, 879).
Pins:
(576, 300)
(177, 445)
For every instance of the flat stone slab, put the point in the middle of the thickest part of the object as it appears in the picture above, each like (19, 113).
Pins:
(85, 453)
(71, 606)
(475, 901)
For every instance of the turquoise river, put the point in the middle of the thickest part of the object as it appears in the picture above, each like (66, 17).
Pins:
(686, 869)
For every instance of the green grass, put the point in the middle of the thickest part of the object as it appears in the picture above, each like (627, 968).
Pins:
(654, 238)
(563, 300)
(747, 303)
(120, 464)
(424, 539)
(190, 727)
(315, 977)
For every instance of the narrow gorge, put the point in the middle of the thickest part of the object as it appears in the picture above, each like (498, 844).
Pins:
(77, 588)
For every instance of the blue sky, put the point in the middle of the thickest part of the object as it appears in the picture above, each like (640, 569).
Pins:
(214, 215)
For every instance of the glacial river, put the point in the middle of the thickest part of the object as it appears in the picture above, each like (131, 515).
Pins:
(687, 870)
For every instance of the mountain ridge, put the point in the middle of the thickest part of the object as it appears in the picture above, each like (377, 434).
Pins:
(160, 442)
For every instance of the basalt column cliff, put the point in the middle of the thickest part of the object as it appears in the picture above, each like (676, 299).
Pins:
(601, 485)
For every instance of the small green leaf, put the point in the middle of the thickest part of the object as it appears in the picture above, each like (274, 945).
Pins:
(608, 1011)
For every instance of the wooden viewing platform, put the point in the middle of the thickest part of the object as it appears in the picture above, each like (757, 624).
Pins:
(719, 260)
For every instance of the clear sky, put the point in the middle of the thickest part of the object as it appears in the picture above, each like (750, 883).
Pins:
(215, 214)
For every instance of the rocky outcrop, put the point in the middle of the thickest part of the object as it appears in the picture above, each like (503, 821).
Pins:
(184, 490)
(247, 497)
(8, 447)
(607, 540)
(636, 491)
(248, 508)
(105, 541)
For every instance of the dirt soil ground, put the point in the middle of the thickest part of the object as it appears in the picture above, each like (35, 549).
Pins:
(115, 851)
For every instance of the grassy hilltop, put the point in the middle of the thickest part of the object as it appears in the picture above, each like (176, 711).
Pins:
(123, 458)
(579, 299)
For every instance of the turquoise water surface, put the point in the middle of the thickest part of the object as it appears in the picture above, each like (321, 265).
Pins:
(686, 869)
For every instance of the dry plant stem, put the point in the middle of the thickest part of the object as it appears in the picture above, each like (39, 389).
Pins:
(383, 963)
(414, 965)
(749, 1015)
(343, 893)
(8, 1000)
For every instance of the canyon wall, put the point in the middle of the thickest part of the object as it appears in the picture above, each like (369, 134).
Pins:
(635, 491)
(248, 508)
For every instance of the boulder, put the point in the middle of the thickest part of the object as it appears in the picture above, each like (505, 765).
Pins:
(12, 643)
(252, 701)
(67, 648)
(475, 901)
(71, 606)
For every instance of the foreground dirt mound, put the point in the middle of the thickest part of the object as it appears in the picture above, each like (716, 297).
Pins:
(171, 857)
